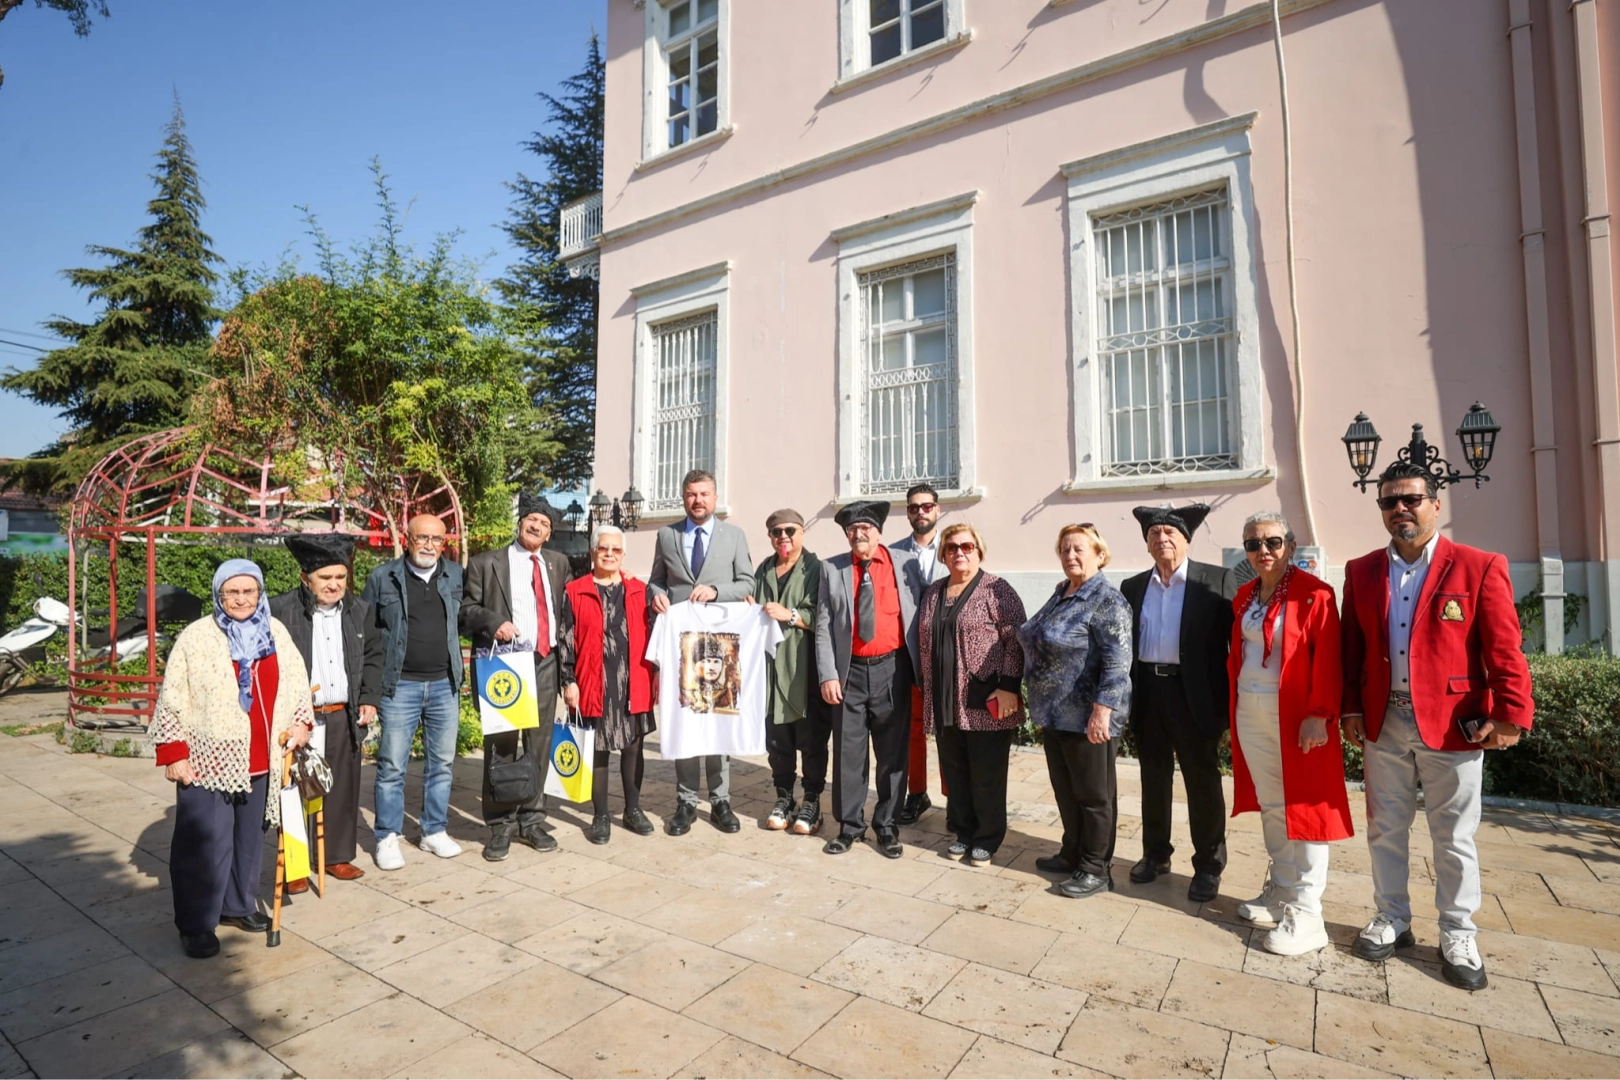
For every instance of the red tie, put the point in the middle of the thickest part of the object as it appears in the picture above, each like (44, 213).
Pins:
(542, 620)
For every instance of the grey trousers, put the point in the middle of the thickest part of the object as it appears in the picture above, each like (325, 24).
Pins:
(536, 746)
(1394, 765)
(876, 710)
(689, 773)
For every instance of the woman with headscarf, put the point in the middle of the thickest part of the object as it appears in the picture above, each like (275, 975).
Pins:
(234, 685)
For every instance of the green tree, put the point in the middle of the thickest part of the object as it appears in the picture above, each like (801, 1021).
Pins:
(78, 13)
(382, 363)
(556, 314)
(132, 370)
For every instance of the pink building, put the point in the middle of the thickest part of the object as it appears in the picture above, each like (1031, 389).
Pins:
(1037, 253)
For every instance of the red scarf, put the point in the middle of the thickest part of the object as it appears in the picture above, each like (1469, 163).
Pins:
(1269, 623)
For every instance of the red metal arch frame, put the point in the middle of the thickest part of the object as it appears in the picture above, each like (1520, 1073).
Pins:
(161, 488)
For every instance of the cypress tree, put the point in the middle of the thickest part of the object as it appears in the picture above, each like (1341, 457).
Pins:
(556, 313)
(133, 369)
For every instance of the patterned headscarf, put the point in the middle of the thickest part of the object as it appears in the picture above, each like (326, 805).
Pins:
(250, 638)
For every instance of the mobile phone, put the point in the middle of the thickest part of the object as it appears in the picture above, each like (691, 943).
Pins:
(1470, 728)
(994, 707)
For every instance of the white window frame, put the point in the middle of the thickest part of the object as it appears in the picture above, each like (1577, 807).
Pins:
(659, 303)
(894, 239)
(1198, 159)
(855, 40)
(655, 81)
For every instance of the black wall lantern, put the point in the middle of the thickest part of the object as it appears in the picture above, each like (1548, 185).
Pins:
(623, 512)
(1477, 433)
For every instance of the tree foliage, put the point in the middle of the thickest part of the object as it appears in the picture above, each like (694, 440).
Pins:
(131, 370)
(386, 362)
(556, 314)
(78, 13)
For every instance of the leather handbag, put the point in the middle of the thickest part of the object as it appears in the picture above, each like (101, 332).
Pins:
(311, 773)
(514, 781)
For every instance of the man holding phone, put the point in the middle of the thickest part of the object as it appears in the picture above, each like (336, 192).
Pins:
(1433, 677)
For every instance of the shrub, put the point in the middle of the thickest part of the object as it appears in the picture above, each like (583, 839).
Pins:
(1573, 752)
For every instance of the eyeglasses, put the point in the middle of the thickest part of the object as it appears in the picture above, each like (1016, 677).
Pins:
(784, 532)
(603, 550)
(920, 508)
(239, 594)
(427, 541)
(860, 528)
(1271, 543)
(1387, 503)
(966, 547)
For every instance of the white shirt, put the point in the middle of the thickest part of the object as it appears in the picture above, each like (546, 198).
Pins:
(1160, 631)
(525, 614)
(689, 537)
(1405, 586)
(328, 677)
(928, 559)
(1256, 676)
(698, 718)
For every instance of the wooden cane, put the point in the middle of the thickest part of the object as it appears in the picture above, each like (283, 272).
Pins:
(273, 938)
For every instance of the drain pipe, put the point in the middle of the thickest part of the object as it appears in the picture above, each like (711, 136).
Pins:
(1532, 239)
(1600, 283)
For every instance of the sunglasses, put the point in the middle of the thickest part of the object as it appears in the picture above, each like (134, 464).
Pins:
(1270, 543)
(1411, 502)
(784, 532)
(966, 547)
(920, 508)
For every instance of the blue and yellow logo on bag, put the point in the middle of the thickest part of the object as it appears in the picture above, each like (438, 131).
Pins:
(565, 756)
(505, 691)
(570, 771)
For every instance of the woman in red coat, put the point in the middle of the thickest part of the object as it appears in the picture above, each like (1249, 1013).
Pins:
(612, 681)
(1286, 763)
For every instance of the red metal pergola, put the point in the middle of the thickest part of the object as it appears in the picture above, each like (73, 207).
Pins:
(162, 488)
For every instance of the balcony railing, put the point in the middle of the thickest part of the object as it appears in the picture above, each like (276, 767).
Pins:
(581, 234)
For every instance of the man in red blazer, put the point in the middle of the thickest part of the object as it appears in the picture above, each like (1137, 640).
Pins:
(1433, 676)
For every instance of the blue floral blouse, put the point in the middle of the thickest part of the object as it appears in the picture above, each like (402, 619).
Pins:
(1077, 652)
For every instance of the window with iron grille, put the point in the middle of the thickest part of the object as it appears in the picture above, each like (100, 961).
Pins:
(692, 58)
(1165, 336)
(896, 27)
(683, 421)
(909, 409)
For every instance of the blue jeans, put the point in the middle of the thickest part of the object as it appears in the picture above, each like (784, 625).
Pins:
(434, 706)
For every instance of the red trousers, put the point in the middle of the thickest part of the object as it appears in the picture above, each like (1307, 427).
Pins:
(917, 770)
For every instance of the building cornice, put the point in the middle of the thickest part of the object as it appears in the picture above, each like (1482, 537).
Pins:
(1238, 22)
(905, 217)
(1096, 163)
(687, 277)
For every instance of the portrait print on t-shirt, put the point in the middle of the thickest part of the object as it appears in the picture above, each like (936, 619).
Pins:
(711, 678)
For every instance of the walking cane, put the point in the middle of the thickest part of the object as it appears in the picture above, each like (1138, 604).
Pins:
(273, 938)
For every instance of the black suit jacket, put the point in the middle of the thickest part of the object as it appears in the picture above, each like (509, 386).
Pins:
(486, 599)
(362, 646)
(1206, 634)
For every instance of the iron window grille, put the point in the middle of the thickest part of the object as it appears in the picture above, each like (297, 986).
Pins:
(684, 404)
(909, 407)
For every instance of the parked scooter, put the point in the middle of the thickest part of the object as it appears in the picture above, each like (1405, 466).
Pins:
(29, 638)
(26, 644)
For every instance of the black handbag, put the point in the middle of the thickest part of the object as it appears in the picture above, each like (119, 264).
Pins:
(515, 781)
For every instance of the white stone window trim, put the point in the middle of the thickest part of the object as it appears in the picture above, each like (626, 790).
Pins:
(902, 237)
(655, 85)
(1136, 175)
(855, 44)
(693, 292)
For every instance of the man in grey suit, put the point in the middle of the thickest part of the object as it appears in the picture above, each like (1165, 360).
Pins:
(702, 560)
(517, 592)
(922, 514)
(866, 638)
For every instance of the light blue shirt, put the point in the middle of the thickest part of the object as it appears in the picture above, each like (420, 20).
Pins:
(1405, 586)
(689, 537)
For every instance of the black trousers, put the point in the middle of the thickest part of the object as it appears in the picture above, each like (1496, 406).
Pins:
(216, 856)
(1167, 735)
(973, 765)
(876, 712)
(536, 746)
(808, 739)
(341, 807)
(1082, 774)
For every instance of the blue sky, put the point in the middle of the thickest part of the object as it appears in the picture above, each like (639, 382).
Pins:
(285, 105)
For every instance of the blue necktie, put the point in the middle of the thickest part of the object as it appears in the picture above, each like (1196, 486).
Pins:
(698, 554)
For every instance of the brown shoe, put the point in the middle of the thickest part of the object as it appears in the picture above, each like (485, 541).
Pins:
(299, 886)
(345, 871)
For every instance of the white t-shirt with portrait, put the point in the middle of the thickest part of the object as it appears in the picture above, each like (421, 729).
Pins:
(712, 674)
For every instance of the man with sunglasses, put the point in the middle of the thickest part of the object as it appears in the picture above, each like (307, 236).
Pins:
(922, 514)
(1433, 676)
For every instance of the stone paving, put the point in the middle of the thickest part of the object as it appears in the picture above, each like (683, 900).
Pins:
(756, 955)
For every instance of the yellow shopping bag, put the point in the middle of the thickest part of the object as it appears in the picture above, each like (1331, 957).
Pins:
(572, 747)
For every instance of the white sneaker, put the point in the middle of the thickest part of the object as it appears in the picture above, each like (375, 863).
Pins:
(1265, 909)
(1297, 933)
(388, 856)
(440, 844)
(1461, 963)
(1380, 938)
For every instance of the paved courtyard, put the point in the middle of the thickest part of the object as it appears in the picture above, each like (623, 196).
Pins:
(757, 955)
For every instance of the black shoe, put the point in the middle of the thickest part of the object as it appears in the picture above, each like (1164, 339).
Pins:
(808, 819)
(1084, 884)
(724, 820)
(256, 923)
(1054, 864)
(914, 808)
(537, 838)
(888, 843)
(1370, 950)
(1148, 869)
(637, 822)
(499, 845)
(781, 815)
(1204, 888)
(200, 946)
(841, 843)
(1463, 978)
(681, 823)
(601, 829)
